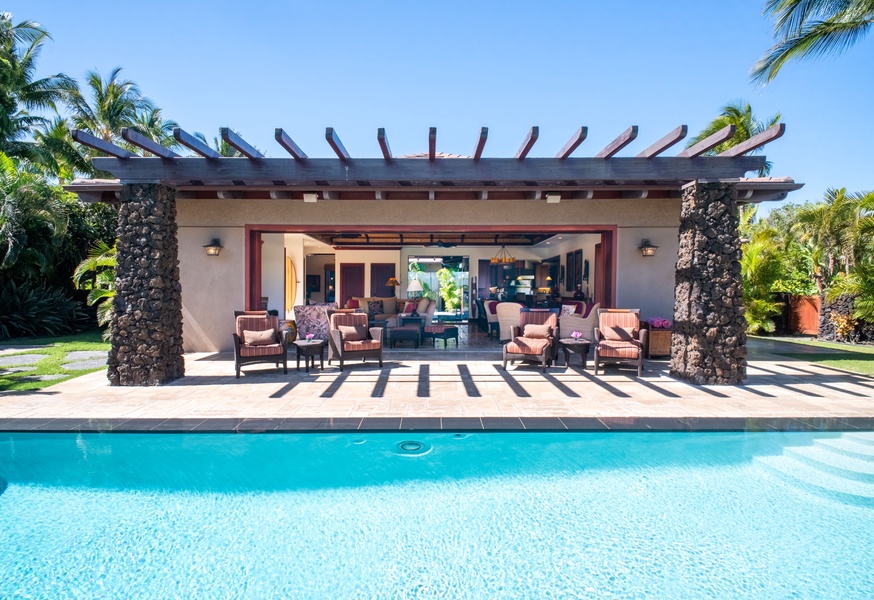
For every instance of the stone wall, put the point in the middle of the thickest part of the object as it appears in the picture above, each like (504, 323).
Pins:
(146, 331)
(708, 344)
(842, 305)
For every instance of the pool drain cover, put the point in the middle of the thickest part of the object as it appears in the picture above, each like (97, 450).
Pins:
(413, 448)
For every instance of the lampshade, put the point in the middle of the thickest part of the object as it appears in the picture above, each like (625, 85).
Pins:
(415, 286)
(392, 282)
(503, 256)
(548, 278)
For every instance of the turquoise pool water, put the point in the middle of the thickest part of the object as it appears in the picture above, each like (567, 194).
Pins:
(524, 515)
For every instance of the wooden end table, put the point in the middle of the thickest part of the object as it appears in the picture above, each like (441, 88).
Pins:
(309, 351)
(658, 342)
(573, 346)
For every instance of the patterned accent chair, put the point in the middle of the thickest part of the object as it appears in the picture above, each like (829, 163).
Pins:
(508, 317)
(313, 318)
(619, 338)
(258, 339)
(348, 338)
(533, 338)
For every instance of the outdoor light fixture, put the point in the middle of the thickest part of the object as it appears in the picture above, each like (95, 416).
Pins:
(214, 247)
(553, 198)
(310, 197)
(503, 256)
(647, 249)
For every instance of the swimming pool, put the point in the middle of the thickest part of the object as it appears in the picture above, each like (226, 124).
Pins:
(485, 515)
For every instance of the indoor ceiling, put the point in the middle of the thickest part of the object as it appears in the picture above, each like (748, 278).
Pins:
(434, 240)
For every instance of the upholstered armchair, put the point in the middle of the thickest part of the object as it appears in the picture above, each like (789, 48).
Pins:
(619, 338)
(508, 317)
(533, 339)
(258, 339)
(348, 338)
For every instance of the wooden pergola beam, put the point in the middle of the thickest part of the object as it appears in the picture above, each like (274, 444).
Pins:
(286, 142)
(245, 148)
(525, 148)
(625, 138)
(708, 143)
(757, 141)
(336, 144)
(86, 139)
(481, 143)
(192, 143)
(432, 143)
(147, 144)
(573, 143)
(383, 143)
(666, 142)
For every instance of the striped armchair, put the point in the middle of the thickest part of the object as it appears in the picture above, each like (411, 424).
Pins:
(533, 339)
(348, 338)
(258, 339)
(619, 338)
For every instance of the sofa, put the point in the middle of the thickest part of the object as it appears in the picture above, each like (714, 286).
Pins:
(388, 309)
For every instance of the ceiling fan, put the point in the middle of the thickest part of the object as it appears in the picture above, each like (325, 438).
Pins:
(440, 243)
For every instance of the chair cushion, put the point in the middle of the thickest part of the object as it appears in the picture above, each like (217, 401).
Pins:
(617, 333)
(526, 345)
(619, 349)
(423, 305)
(537, 332)
(259, 338)
(435, 328)
(269, 350)
(374, 307)
(353, 333)
(358, 345)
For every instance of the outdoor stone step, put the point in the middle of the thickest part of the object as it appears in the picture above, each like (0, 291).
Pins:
(818, 482)
(836, 463)
(844, 445)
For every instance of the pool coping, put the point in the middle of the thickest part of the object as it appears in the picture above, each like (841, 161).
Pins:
(400, 424)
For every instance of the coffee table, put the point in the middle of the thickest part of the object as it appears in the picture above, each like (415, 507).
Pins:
(573, 346)
(407, 333)
(309, 351)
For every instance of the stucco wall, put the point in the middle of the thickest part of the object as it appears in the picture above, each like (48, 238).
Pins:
(646, 282)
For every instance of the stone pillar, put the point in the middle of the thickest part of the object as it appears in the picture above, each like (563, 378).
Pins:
(708, 344)
(146, 331)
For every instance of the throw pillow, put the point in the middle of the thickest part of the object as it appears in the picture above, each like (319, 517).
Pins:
(259, 338)
(353, 333)
(389, 305)
(422, 308)
(568, 309)
(374, 308)
(353, 303)
(537, 332)
(616, 333)
(409, 307)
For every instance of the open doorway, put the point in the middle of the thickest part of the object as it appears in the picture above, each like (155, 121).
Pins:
(445, 279)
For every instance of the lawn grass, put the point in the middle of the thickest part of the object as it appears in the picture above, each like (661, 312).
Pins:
(56, 350)
(850, 357)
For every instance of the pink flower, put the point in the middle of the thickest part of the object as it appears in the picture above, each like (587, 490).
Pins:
(576, 335)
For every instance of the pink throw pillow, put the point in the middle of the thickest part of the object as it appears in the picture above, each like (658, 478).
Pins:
(353, 304)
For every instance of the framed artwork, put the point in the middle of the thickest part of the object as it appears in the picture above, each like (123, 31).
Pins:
(561, 275)
(569, 282)
(578, 268)
(586, 270)
(314, 283)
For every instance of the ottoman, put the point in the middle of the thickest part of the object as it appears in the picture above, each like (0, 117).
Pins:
(441, 332)
(407, 333)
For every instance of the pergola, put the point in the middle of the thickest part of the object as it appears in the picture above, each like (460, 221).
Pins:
(708, 339)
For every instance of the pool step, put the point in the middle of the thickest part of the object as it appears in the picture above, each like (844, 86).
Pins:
(839, 468)
(863, 437)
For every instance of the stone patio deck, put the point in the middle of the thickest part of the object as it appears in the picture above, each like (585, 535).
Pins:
(463, 388)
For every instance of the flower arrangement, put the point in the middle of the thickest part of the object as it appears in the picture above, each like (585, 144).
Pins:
(659, 323)
(576, 335)
(310, 337)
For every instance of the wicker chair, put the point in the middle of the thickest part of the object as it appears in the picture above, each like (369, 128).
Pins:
(345, 344)
(508, 317)
(567, 324)
(491, 307)
(528, 346)
(619, 338)
(250, 347)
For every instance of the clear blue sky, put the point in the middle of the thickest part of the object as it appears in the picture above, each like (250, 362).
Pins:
(405, 66)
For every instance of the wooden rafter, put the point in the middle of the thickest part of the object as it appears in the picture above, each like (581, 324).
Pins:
(481, 143)
(666, 142)
(245, 148)
(147, 144)
(625, 138)
(383, 143)
(525, 148)
(100, 145)
(432, 143)
(709, 143)
(191, 142)
(286, 142)
(573, 143)
(757, 141)
(336, 144)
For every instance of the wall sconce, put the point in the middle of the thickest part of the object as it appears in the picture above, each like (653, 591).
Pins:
(214, 248)
(647, 249)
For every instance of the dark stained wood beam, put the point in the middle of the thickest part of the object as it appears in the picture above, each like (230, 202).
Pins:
(757, 141)
(481, 143)
(147, 144)
(625, 138)
(666, 142)
(708, 143)
(286, 142)
(573, 143)
(86, 139)
(432, 143)
(383, 143)
(336, 144)
(527, 144)
(193, 143)
(245, 148)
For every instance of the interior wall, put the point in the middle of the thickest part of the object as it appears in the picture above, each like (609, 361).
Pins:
(315, 265)
(273, 271)
(571, 243)
(294, 249)
(360, 255)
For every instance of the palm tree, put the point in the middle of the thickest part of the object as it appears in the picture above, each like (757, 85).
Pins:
(830, 225)
(760, 270)
(812, 28)
(740, 114)
(115, 103)
(151, 123)
(97, 273)
(221, 146)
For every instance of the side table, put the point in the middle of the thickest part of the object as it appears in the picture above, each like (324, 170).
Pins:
(309, 351)
(658, 342)
(573, 346)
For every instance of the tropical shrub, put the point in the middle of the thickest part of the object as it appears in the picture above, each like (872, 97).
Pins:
(760, 269)
(36, 311)
(450, 291)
